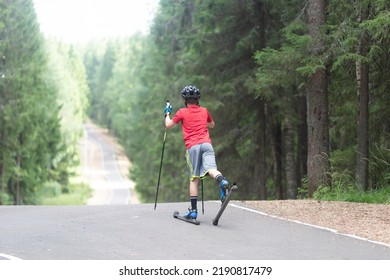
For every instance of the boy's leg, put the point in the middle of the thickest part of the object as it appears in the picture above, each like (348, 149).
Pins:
(214, 173)
(223, 184)
(210, 165)
(194, 193)
(217, 176)
(193, 189)
(193, 160)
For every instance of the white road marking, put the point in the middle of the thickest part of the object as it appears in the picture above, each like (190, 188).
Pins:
(310, 225)
(8, 257)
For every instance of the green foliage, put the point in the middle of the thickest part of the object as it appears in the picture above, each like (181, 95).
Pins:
(351, 194)
(284, 67)
(54, 194)
(343, 183)
(37, 143)
(379, 167)
(343, 164)
(68, 77)
(238, 52)
(28, 119)
(5, 198)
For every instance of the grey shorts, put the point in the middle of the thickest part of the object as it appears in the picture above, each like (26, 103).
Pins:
(200, 159)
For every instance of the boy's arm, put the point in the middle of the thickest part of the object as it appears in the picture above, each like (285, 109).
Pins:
(168, 111)
(168, 122)
(210, 121)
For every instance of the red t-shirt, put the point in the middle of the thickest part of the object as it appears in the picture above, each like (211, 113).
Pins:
(194, 121)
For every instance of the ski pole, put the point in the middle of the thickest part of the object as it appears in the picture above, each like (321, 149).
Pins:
(162, 156)
(201, 184)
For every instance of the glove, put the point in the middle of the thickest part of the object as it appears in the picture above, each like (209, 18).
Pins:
(168, 109)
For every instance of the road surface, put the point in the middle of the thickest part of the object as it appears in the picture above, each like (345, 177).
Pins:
(119, 232)
(112, 229)
(101, 171)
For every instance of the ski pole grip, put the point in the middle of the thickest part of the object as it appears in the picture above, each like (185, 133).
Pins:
(167, 106)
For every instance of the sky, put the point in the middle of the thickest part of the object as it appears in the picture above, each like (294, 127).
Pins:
(79, 21)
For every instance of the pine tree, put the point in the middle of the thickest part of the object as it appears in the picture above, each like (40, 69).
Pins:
(318, 163)
(29, 122)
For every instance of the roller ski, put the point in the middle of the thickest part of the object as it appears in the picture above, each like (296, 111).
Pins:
(189, 217)
(226, 193)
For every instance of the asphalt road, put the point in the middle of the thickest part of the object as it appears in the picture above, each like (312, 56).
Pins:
(112, 229)
(119, 232)
(100, 169)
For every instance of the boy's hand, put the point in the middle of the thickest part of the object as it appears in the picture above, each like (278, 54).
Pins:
(168, 109)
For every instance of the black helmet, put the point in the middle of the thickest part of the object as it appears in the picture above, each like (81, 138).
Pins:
(190, 92)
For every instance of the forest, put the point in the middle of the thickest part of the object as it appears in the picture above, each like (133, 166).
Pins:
(43, 102)
(298, 90)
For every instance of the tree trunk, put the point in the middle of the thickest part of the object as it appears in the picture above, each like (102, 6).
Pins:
(302, 140)
(277, 159)
(18, 194)
(262, 175)
(291, 183)
(1, 184)
(362, 77)
(318, 164)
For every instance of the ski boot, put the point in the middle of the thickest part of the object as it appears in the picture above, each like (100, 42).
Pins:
(191, 214)
(223, 185)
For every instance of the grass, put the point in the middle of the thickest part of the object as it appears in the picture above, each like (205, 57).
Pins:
(75, 194)
(351, 194)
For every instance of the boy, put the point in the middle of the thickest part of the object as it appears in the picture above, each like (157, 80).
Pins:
(200, 153)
